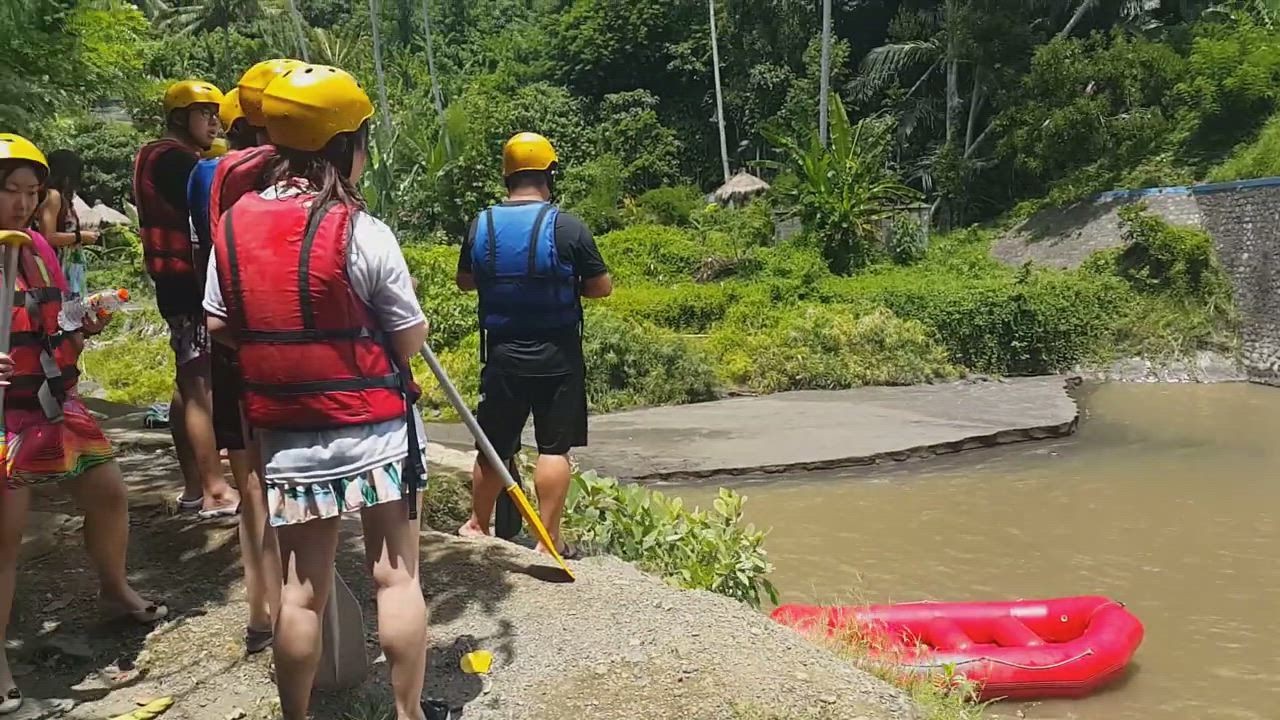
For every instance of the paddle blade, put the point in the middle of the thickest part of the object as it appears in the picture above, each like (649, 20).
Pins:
(540, 532)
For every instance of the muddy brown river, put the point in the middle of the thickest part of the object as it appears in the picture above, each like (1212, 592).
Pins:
(1167, 499)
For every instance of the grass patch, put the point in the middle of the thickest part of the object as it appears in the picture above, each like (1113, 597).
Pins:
(131, 360)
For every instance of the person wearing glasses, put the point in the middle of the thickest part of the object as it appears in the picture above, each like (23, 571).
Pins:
(160, 176)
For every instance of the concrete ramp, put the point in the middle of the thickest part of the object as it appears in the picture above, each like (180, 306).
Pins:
(814, 430)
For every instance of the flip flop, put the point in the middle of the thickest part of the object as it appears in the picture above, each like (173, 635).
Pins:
(185, 505)
(219, 513)
(12, 702)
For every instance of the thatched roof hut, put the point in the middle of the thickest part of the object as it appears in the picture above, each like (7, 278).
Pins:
(740, 189)
(98, 216)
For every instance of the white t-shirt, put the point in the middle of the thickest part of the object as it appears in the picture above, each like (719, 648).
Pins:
(379, 277)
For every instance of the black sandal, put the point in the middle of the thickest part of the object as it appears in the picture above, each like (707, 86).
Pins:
(255, 641)
(437, 710)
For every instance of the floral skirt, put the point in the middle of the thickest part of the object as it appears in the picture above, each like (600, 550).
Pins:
(39, 451)
(290, 502)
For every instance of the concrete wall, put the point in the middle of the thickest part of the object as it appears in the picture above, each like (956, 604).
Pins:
(1242, 217)
(1244, 221)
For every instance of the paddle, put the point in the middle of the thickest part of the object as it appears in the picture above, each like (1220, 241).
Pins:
(343, 663)
(12, 240)
(513, 489)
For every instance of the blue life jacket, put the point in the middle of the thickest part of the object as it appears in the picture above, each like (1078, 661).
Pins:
(199, 186)
(525, 287)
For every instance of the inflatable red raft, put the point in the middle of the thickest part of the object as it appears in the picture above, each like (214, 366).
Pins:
(1066, 647)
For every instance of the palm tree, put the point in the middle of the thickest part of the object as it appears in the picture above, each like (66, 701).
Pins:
(193, 16)
(715, 63)
(431, 61)
(824, 83)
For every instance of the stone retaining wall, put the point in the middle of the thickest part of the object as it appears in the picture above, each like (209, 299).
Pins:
(1242, 217)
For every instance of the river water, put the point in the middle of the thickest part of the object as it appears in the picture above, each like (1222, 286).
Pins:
(1166, 499)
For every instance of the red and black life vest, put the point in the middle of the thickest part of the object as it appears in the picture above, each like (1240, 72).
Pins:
(44, 358)
(165, 229)
(311, 354)
(239, 173)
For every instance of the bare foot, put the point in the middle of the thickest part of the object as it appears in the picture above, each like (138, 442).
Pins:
(227, 500)
(128, 602)
(472, 529)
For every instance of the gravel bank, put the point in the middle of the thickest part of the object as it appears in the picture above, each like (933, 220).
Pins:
(617, 644)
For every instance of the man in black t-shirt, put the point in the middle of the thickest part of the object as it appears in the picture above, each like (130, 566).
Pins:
(161, 172)
(530, 264)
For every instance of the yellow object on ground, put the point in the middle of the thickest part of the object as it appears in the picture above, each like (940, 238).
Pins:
(477, 663)
(151, 710)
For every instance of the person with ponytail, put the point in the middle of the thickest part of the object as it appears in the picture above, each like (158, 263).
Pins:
(59, 222)
(316, 297)
(51, 436)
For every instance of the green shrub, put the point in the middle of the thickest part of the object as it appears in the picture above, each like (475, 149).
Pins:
(651, 253)
(629, 364)
(695, 549)
(131, 360)
(462, 364)
(593, 192)
(116, 261)
(828, 347)
(1159, 257)
(686, 307)
(735, 228)
(666, 206)
(1255, 159)
(451, 312)
(632, 364)
(1030, 323)
(907, 240)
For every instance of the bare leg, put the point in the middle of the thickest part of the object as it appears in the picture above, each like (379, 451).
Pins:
(100, 495)
(551, 480)
(192, 488)
(391, 552)
(486, 484)
(258, 550)
(307, 552)
(13, 518)
(195, 385)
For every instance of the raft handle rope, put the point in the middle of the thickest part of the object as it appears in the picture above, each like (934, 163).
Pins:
(1006, 663)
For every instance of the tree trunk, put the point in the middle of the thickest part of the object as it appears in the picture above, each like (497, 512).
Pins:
(715, 63)
(975, 102)
(1076, 17)
(300, 28)
(404, 22)
(383, 106)
(436, 95)
(824, 83)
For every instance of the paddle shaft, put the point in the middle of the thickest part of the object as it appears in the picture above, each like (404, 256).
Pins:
(486, 447)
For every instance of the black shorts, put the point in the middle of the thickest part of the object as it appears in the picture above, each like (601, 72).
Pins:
(558, 404)
(226, 398)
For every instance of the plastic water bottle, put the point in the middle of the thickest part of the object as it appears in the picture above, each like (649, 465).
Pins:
(101, 303)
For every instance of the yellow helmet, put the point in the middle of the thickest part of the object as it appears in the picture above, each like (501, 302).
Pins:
(16, 147)
(527, 151)
(310, 104)
(217, 149)
(255, 81)
(186, 93)
(229, 110)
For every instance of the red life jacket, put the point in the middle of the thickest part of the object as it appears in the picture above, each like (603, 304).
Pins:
(311, 354)
(165, 229)
(239, 173)
(44, 358)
